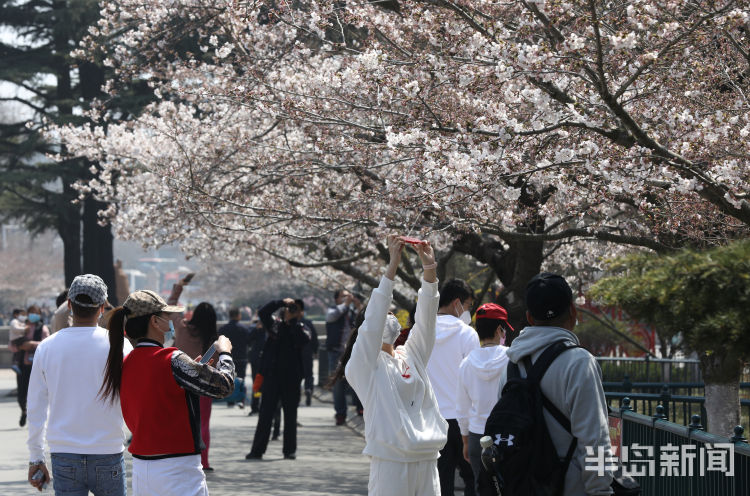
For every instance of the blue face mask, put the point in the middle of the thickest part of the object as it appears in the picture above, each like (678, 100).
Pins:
(169, 335)
(34, 318)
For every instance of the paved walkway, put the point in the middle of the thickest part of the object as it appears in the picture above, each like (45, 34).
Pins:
(329, 459)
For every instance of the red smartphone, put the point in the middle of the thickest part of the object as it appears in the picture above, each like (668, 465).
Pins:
(412, 241)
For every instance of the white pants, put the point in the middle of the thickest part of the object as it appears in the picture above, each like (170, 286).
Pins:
(179, 476)
(389, 478)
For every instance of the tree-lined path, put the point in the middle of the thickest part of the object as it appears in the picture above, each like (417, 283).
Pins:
(329, 459)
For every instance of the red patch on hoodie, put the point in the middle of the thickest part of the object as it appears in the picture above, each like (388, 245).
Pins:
(405, 375)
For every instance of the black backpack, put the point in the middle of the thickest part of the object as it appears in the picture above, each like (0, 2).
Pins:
(526, 459)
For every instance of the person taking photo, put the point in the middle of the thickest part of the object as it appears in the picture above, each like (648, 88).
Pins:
(404, 430)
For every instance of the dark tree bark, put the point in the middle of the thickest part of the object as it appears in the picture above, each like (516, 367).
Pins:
(98, 256)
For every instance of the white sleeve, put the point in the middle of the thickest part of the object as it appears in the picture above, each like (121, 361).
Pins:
(369, 341)
(463, 403)
(421, 339)
(36, 407)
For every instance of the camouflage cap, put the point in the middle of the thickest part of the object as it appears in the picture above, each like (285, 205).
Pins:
(146, 302)
(90, 285)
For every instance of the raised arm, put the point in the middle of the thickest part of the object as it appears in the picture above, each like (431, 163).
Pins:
(203, 379)
(370, 334)
(265, 314)
(422, 336)
(334, 313)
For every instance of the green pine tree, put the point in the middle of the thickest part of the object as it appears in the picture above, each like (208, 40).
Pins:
(42, 85)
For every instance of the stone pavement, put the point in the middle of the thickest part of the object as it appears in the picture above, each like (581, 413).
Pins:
(329, 459)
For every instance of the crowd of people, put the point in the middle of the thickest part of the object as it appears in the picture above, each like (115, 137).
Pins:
(425, 392)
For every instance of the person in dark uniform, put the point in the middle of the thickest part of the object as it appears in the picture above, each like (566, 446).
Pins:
(308, 353)
(282, 370)
(239, 335)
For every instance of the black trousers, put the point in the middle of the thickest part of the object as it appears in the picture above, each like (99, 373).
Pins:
(273, 392)
(22, 381)
(240, 368)
(307, 366)
(451, 456)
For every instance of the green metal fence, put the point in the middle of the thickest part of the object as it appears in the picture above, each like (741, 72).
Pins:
(683, 460)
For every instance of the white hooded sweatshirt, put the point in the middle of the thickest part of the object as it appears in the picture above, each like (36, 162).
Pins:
(454, 340)
(478, 380)
(402, 419)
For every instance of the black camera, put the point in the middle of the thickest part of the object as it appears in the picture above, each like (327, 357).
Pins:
(293, 307)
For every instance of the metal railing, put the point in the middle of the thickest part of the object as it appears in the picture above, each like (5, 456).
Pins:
(698, 473)
(679, 409)
(658, 370)
(649, 369)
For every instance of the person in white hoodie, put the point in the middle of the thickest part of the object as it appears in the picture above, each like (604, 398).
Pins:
(85, 432)
(454, 340)
(572, 383)
(404, 430)
(478, 380)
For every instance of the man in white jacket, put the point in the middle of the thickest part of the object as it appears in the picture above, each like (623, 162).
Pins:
(478, 380)
(572, 382)
(454, 340)
(85, 433)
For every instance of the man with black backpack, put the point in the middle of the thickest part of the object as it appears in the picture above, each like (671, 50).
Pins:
(552, 403)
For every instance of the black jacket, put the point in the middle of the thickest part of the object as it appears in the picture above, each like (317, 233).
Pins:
(239, 335)
(313, 335)
(282, 354)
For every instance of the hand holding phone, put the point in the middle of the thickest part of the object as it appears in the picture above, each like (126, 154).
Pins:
(412, 241)
(208, 354)
(39, 475)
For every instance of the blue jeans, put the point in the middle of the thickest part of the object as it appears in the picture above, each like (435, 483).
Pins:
(75, 475)
(341, 388)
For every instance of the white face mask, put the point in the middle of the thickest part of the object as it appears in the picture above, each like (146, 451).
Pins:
(392, 329)
(464, 315)
(21, 318)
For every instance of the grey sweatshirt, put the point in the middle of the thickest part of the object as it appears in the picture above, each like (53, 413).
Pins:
(573, 384)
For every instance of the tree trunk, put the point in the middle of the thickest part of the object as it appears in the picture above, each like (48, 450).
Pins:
(527, 259)
(98, 256)
(513, 267)
(70, 232)
(721, 375)
(69, 229)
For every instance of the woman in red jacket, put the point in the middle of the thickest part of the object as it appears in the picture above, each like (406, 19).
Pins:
(159, 390)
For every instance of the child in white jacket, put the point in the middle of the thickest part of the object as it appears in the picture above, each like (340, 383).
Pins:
(478, 379)
(404, 430)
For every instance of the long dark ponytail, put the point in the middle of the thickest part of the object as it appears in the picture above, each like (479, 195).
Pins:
(338, 374)
(204, 321)
(136, 328)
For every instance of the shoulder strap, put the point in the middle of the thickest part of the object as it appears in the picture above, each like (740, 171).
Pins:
(539, 368)
(513, 372)
(548, 356)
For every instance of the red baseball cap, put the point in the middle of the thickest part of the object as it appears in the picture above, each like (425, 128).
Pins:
(493, 311)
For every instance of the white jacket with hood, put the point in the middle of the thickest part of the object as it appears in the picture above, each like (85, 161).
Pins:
(573, 383)
(454, 340)
(402, 419)
(478, 380)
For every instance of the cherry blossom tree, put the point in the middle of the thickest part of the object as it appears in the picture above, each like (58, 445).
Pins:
(521, 133)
